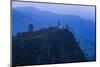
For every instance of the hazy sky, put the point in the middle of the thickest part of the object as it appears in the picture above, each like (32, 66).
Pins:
(86, 12)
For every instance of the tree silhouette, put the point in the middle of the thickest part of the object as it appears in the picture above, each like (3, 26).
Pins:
(30, 27)
(49, 24)
(66, 26)
(58, 23)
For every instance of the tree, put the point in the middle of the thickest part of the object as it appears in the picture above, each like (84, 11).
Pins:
(58, 23)
(49, 24)
(66, 26)
(30, 27)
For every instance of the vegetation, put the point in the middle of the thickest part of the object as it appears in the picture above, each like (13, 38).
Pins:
(46, 46)
(30, 27)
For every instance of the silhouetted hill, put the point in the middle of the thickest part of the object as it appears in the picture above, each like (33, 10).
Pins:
(46, 46)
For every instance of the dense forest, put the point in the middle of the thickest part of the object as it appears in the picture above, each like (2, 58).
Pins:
(49, 45)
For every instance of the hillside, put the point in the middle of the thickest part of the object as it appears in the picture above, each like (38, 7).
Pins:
(46, 46)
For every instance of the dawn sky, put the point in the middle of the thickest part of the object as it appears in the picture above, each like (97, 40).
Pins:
(85, 12)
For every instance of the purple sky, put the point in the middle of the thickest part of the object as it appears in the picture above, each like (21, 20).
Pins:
(85, 12)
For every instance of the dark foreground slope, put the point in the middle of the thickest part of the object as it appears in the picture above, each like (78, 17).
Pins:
(46, 46)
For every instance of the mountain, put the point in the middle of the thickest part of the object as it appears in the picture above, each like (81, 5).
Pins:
(83, 29)
(45, 46)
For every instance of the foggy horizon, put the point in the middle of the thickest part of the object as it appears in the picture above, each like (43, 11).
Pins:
(85, 12)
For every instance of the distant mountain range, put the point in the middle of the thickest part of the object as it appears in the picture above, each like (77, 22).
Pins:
(83, 29)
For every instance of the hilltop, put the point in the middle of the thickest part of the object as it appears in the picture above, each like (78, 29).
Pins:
(46, 46)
